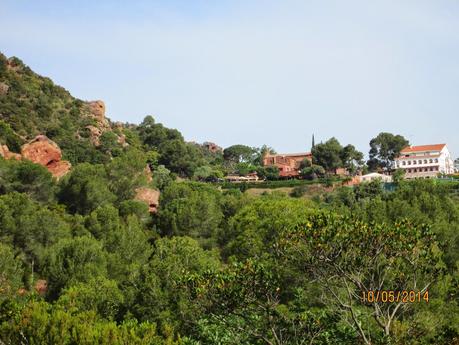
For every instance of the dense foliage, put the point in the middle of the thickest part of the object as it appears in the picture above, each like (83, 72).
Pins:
(83, 262)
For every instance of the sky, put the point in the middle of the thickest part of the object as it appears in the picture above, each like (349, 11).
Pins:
(253, 72)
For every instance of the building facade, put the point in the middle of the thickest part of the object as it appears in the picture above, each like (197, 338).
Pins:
(456, 165)
(425, 161)
(288, 164)
(375, 176)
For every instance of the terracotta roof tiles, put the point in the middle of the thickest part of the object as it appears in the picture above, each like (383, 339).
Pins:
(422, 148)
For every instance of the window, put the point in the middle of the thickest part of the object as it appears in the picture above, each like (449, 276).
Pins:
(409, 162)
(420, 161)
(425, 161)
(403, 163)
(414, 162)
(430, 160)
(436, 160)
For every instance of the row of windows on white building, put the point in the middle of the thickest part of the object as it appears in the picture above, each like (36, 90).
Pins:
(420, 161)
(414, 170)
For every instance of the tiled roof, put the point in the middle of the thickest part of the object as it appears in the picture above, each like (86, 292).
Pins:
(290, 154)
(416, 157)
(422, 148)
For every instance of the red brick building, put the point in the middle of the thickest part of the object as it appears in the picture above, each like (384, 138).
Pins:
(288, 163)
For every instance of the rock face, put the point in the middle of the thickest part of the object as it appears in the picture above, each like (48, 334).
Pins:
(94, 135)
(44, 151)
(3, 88)
(150, 196)
(41, 150)
(148, 173)
(97, 109)
(59, 169)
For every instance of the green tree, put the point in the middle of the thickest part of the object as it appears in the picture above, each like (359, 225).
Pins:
(351, 158)
(180, 157)
(305, 163)
(39, 322)
(26, 177)
(239, 153)
(244, 168)
(74, 260)
(398, 175)
(126, 173)
(11, 272)
(100, 294)
(153, 134)
(328, 155)
(30, 228)
(255, 228)
(190, 210)
(243, 306)
(85, 189)
(9, 138)
(109, 144)
(313, 172)
(384, 149)
(351, 258)
(203, 172)
(160, 297)
(271, 172)
(162, 177)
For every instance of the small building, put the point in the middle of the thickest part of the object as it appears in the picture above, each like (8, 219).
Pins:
(288, 163)
(375, 176)
(252, 177)
(425, 161)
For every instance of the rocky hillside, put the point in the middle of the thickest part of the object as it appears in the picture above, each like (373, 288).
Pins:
(32, 105)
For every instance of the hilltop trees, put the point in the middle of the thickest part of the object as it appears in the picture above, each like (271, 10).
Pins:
(384, 149)
(173, 152)
(331, 156)
(239, 153)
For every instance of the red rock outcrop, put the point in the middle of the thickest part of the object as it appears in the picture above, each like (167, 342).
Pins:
(59, 169)
(97, 109)
(41, 150)
(150, 196)
(44, 151)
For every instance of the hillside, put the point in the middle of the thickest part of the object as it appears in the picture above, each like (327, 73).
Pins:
(89, 255)
(33, 105)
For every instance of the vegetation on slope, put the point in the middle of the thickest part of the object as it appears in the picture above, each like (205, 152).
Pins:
(81, 262)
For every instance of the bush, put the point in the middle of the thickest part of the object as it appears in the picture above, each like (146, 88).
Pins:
(299, 191)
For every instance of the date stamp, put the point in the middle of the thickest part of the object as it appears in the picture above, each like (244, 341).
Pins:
(394, 296)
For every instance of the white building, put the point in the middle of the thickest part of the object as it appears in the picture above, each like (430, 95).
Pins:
(425, 161)
(375, 176)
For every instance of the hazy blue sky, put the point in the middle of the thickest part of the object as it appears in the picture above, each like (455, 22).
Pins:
(253, 72)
